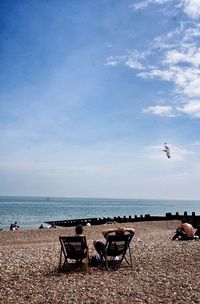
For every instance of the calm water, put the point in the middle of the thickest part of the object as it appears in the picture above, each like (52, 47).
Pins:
(30, 212)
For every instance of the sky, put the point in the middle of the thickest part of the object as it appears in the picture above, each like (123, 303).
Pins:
(90, 90)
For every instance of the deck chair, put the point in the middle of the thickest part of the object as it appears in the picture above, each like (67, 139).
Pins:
(75, 250)
(117, 246)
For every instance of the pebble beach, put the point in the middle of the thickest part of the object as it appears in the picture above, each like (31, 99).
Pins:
(164, 271)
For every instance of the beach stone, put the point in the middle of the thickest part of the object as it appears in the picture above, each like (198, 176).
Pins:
(163, 271)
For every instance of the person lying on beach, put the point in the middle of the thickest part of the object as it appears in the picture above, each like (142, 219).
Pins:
(184, 232)
(100, 246)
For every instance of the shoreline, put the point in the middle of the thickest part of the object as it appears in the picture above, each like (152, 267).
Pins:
(32, 212)
(192, 218)
(163, 271)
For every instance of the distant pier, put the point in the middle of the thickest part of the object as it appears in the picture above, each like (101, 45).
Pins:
(192, 219)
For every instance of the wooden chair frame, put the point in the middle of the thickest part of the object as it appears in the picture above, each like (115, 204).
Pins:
(73, 248)
(117, 246)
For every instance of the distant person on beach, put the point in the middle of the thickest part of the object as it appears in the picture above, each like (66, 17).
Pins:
(100, 246)
(184, 232)
(13, 226)
(52, 226)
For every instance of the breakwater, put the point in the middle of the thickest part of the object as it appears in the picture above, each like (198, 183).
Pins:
(192, 219)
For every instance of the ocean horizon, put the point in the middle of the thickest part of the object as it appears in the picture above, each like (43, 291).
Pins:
(30, 212)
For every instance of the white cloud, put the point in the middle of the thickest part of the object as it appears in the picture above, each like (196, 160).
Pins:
(187, 81)
(111, 62)
(133, 64)
(163, 74)
(174, 57)
(190, 56)
(163, 42)
(115, 60)
(145, 3)
(132, 60)
(192, 33)
(192, 8)
(191, 108)
(193, 87)
(160, 110)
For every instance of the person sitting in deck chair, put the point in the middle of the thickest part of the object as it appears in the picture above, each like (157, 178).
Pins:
(74, 248)
(100, 246)
(184, 232)
(79, 230)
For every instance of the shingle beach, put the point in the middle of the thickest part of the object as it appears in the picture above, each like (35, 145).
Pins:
(164, 271)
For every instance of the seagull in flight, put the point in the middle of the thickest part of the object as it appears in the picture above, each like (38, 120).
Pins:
(167, 150)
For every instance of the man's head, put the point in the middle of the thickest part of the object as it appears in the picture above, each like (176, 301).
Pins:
(79, 229)
(120, 231)
(184, 220)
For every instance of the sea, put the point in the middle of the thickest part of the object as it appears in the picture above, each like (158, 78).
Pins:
(31, 212)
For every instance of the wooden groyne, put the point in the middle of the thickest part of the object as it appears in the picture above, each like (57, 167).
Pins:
(192, 219)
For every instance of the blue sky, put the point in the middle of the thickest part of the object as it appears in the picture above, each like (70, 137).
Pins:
(89, 93)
